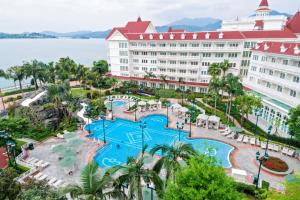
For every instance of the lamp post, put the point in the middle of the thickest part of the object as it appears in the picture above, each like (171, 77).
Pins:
(258, 113)
(191, 114)
(262, 159)
(111, 107)
(128, 93)
(168, 105)
(143, 125)
(179, 128)
(136, 105)
(151, 188)
(103, 117)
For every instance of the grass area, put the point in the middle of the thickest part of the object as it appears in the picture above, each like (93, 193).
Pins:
(21, 169)
(79, 92)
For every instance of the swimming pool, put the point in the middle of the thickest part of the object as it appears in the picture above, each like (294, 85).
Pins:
(116, 104)
(124, 140)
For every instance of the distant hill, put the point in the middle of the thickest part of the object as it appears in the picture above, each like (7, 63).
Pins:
(196, 22)
(79, 34)
(25, 36)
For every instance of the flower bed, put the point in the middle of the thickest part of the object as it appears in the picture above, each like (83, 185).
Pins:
(276, 164)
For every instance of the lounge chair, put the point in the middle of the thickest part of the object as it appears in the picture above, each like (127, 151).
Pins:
(257, 142)
(276, 147)
(45, 164)
(224, 130)
(252, 140)
(58, 183)
(246, 139)
(35, 160)
(42, 177)
(29, 160)
(226, 133)
(291, 152)
(39, 163)
(240, 138)
(284, 150)
(52, 180)
(38, 175)
(263, 145)
(230, 136)
(270, 146)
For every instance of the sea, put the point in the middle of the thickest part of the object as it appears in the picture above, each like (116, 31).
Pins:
(16, 51)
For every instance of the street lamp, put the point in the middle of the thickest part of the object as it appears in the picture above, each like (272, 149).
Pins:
(103, 117)
(191, 114)
(168, 105)
(262, 159)
(136, 105)
(143, 125)
(258, 113)
(110, 99)
(179, 128)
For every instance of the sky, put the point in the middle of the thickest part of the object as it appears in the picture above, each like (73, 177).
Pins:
(18, 16)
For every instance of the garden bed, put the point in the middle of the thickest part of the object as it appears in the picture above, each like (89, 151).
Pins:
(276, 165)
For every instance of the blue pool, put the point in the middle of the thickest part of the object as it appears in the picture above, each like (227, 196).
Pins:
(127, 135)
(116, 104)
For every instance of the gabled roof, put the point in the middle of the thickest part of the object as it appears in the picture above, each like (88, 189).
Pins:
(275, 47)
(138, 26)
(264, 3)
(286, 33)
(294, 23)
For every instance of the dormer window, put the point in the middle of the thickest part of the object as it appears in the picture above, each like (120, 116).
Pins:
(141, 37)
(266, 47)
(296, 50)
(194, 36)
(151, 37)
(257, 46)
(282, 48)
(172, 36)
(182, 36)
(207, 36)
(161, 37)
(221, 35)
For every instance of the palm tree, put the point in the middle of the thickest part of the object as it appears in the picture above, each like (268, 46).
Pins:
(234, 88)
(225, 66)
(214, 88)
(33, 69)
(163, 78)
(17, 73)
(180, 81)
(214, 70)
(133, 173)
(171, 155)
(94, 185)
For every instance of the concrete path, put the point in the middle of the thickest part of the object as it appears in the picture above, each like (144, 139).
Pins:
(27, 102)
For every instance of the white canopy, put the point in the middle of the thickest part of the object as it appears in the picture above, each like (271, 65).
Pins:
(214, 119)
(176, 106)
(152, 102)
(183, 109)
(142, 103)
(202, 117)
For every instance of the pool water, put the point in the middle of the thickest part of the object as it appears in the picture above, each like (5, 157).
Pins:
(124, 140)
(116, 104)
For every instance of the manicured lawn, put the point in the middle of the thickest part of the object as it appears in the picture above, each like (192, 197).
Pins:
(79, 92)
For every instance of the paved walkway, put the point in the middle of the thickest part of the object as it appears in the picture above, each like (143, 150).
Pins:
(81, 113)
(28, 101)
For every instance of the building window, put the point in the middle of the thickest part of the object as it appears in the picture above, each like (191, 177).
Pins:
(123, 53)
(232, 55)
(163, 53)
(122, 45)
(144, 53)
(144, 61)
(162, 45)
(182, 62)
(282, 75)
(293, 93)
(183, 54)
(268, 84)
(247, 54)
(271, 72)
(136, 68)
(233, 44)
(255, 57)
(144, 69)
(135, 53)
(273, 60)
(173, 62)
(195, 45)
(195, 54)
(153, 61)
(124, 60)
(194, 63)
(296, 79)
(263, 58)
(162, 62)
(183, 45)
(182, 71)
(153, 53)
(285, 62)
(206, 45)
(219, 55)
(135, 60)
(123, 68)
(206, 55)
(220, 45)
(205, 64)
(133, 44)
(279, 88)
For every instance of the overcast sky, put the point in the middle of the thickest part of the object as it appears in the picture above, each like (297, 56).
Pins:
(74, 15)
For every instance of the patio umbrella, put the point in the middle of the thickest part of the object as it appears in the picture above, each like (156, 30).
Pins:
(68, 161)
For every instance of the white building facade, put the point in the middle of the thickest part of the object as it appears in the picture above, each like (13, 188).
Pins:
(274, 75)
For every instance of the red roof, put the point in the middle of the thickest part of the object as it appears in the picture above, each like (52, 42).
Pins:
(286, 33)
(264, 3)
(259, 24)
(260, 9)
(138, 26)
(275, 47)
(294, 23)
(3, 158)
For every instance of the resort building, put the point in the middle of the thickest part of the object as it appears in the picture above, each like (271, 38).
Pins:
(180, 59)
(274, 75)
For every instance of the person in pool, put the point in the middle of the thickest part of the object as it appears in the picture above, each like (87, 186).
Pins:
(118, 146)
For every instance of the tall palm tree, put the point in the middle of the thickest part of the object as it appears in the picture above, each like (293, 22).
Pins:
(225, 66)
(17, 73)
(214, 88)
(33, 69)
(133, 173)
(171, 156)
(181, 81)
(214, 70)
(234, 88)
(94, 185)
(164, 79)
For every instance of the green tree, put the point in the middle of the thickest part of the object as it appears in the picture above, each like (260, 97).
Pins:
(17, 73)
(133, 173)
(100, 67)
(234, 88)
(246, 104)
(294, 121)
(9, 188)
(202, 179)
(38, 190)
(170, 157)
(213, 89)
(94, 185)
(65, 68)
(97, 106)
(34, 69)
(3, 74)
(224, 66)
(214, 70)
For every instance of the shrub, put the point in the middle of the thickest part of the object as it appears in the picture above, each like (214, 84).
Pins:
(265, 185)
(107, 92)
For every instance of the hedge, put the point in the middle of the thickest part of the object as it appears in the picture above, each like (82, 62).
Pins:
(18, 91)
